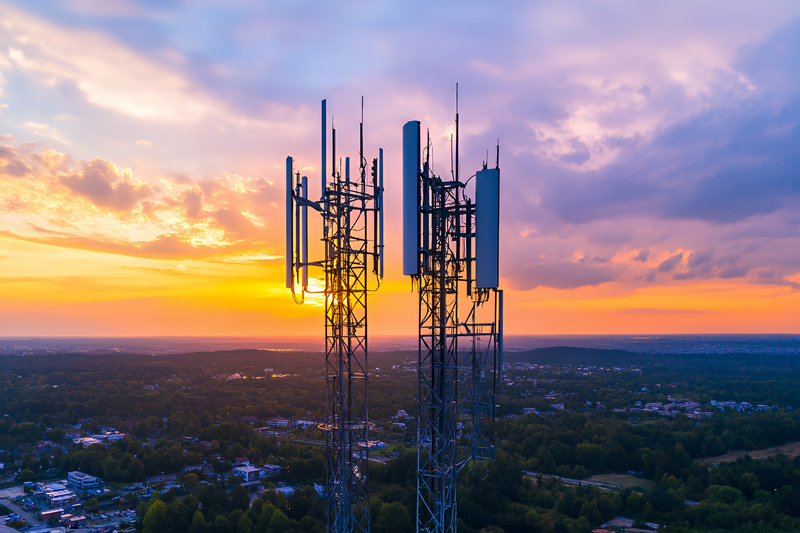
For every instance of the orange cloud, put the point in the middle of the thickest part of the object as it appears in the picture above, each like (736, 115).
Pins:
(96, 206)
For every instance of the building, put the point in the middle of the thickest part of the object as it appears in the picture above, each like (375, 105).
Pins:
(109, 436)
(64, 500)
(278, 422)
(86, 441)
(247, 473)
(71, 521)
(53, 513)
(270, 470)
(82, 481)
(72, 433)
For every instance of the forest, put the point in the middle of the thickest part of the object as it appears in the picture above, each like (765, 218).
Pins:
(181, 411)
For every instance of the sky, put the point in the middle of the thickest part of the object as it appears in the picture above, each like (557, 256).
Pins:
(649, 155)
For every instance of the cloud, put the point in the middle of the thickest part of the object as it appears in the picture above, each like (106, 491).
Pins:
(731, 161)
(234, 222)
(192, 202)
(579, 154)
(669, 264)
(650, 311)
(619, 153)
(12, 165)
(107, 186)
(54, 199)
(559, 274)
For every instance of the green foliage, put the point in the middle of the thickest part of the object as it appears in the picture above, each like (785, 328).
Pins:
(394, 518)
(743, 495)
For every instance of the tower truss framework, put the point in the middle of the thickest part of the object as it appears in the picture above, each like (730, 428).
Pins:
(352, 236)
(460, 345)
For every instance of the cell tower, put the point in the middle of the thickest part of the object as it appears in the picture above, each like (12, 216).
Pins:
(352, 233)
(445, 234)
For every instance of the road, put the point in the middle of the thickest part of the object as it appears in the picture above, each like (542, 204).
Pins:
(28, 516)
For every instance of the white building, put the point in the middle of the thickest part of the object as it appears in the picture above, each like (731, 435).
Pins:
(82, 481)
(247, 473)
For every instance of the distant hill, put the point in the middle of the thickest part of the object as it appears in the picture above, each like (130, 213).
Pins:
(564, 355)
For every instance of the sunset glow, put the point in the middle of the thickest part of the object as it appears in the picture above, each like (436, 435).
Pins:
(649, 159)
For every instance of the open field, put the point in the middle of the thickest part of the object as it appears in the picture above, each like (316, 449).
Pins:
(623, 481)
(790, 448)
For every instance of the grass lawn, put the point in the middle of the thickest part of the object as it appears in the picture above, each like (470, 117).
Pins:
(790, 448)
(623, 481)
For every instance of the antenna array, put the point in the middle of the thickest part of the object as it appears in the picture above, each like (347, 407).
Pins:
(445, 234)
(352, 214)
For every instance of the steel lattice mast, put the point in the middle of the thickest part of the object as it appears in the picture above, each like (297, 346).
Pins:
(460, 341)
(351, 209)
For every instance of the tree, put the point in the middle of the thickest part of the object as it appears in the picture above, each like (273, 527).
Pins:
(532, 521)
(245, 525)
(198, 523)
(191, 481)
(25, 476)
(279, 521)
(394, 519)
(239, 498)
(748, 484)
(156, 517)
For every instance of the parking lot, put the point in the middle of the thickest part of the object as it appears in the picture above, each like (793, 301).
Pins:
(27, 508)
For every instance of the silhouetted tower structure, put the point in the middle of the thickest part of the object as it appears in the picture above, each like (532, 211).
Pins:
(351, 207)
(450, 248)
